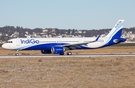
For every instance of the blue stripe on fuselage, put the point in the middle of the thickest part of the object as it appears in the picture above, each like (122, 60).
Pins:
(47, 46)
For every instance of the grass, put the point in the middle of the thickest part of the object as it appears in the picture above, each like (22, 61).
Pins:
(91, 72)
(107, 50)
(125, 44)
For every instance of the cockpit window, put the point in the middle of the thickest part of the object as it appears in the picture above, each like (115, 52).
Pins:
(9, 42)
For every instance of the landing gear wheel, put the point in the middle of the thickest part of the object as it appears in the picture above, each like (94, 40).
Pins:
(16, 54)
(69, 53)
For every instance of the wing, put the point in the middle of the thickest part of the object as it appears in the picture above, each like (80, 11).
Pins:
(79, 44)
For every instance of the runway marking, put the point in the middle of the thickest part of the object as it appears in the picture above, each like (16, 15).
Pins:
(80, 55)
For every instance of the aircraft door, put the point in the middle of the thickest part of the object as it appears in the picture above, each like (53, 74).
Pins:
(18, 42)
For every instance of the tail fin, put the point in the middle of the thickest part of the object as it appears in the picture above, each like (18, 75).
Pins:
(116, 31)
(114, 37)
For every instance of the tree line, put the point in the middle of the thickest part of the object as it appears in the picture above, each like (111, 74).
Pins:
(6, 31)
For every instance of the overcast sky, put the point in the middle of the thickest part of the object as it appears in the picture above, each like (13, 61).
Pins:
(65, 14)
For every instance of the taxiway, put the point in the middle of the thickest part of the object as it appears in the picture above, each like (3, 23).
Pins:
(80, 55)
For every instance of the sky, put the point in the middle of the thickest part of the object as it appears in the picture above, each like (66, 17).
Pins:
(67, 14)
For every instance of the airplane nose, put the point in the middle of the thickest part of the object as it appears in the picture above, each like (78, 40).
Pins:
(4, 46)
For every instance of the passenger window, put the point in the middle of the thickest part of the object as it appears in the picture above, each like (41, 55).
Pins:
(9, 42)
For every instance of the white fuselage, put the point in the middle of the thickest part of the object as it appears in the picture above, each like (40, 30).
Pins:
(24, 43)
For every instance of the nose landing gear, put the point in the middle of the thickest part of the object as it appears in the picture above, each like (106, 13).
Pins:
(17, 53)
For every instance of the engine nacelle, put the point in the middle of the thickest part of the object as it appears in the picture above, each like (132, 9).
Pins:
(119, 40)
(58, 50)
(116, 41)
(46, 51)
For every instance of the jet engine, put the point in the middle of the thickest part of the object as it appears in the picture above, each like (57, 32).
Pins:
(119, 40)
(58, 50)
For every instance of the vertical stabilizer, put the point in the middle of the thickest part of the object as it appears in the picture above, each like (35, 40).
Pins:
(116, 30)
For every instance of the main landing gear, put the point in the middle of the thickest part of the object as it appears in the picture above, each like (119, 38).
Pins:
(17, 53)
(69, 53)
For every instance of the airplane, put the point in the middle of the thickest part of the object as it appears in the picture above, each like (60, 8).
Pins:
(60, 45)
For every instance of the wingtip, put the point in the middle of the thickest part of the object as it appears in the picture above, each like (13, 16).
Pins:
(121, 20)
(97, 37)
